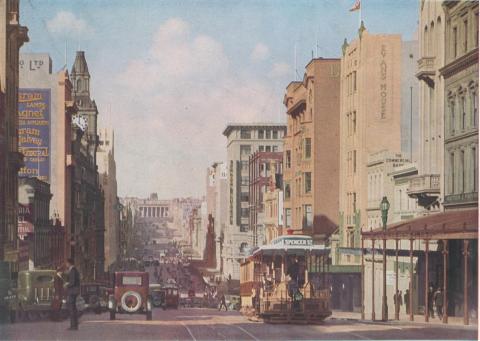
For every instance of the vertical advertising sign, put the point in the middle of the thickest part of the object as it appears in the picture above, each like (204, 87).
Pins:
(34, 132)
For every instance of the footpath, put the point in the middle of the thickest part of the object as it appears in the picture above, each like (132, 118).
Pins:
(453, 321)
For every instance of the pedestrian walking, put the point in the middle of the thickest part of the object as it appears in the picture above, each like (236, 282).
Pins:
(397, 300)
(438, 300)
(223, 303)
(431, 313)
(73, 290)
(406, 299)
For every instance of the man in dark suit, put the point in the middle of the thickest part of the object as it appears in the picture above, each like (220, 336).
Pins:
(73, 290)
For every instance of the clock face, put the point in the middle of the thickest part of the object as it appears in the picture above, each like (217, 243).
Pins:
(80, 121)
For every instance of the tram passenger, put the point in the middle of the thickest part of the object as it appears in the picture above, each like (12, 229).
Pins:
(293, 270)
(267, 283)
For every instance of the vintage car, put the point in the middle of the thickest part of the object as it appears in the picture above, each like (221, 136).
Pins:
(40, 295)
(130, 295)
(157, 293)
(7, 295)
(95, 295)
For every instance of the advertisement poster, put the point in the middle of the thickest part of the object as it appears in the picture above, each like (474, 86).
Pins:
(34, 132)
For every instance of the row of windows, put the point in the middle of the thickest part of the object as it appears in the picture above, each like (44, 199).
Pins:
(351, 80)
(268, 149)
(459, 36)
(351, 162)
(351, 207)
(307, 185)
(261, 134)
(463, 171)
(296, 122)
(404, 202)
(246, 150)
(306, 152)
(305, 213)
(351, 123)
(153, 212)
(463, 111)
(375, 187)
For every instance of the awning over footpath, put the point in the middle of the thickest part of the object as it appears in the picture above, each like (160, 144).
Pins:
(461, 224)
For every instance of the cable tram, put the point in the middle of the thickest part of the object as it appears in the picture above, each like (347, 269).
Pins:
(286, 281)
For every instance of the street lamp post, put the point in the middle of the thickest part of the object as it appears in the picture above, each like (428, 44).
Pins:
(384, 207)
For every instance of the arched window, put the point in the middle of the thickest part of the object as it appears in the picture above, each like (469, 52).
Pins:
(243, 247)
(79, 84)
(425, 41)
(431, 38)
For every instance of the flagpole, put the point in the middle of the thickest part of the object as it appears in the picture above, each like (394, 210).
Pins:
(360, 16)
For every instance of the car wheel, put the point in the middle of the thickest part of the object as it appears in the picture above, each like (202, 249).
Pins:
(13, 316)
(32, 316)
(43, 314)
(149, 315)
(112, 315)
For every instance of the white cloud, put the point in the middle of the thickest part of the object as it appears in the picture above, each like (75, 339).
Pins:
(280, 70)
(260, 52)
(171, 106)
(66, 23)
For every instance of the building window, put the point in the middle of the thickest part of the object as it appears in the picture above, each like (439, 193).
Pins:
(288, 159)
(308, 148)
(288, 217)
(465, 35)
(307, 216)
(243, 196)
(452, 117)
(243, 228)
(464, 113)
(476, 30)
(462, 170)
(474, 108)
(454, 38)
(452, 173)
(268, 149)
(244, 181)
(474, 169)
(245, 151)
(354, 161)
(244, 165)
(308, 182)
(354, 122)
(274, 149)
(245, 134)
(354, 81)
(268, 134)
(261, 148)
(354, 203)
(287, 191)
(244, 212)
(275, 134)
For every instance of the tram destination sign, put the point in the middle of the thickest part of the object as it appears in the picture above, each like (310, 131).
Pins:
(292, 241)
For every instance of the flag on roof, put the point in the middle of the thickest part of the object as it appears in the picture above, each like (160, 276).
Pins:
(356, 6)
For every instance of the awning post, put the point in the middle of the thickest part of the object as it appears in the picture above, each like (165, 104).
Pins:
(427, 298)
(363, 282)
(410, 296)
(373, 279)
(445, 279)
(465, 282)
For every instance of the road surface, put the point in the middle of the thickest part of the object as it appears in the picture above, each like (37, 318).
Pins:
(209, 324)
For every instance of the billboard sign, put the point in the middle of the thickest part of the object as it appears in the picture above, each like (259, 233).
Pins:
(34, 110)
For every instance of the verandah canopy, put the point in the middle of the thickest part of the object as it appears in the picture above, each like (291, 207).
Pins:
(460, 224)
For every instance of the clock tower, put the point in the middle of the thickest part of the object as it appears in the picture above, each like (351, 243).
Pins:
(87, 108)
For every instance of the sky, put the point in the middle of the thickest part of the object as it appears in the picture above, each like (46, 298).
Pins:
(168, 76)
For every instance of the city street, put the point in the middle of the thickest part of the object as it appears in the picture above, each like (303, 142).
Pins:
(210, 324)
